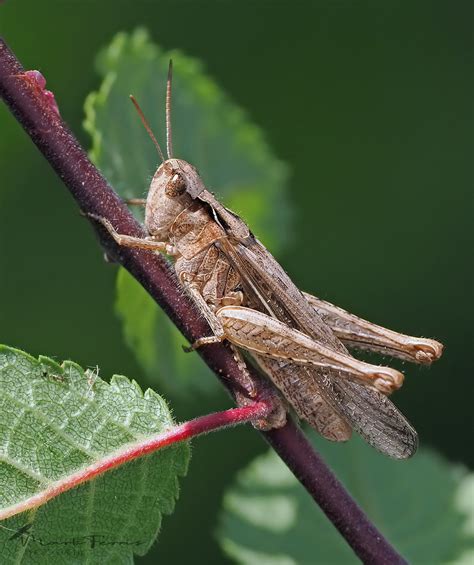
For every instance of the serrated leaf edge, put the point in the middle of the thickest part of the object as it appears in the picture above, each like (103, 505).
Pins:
(143, 446)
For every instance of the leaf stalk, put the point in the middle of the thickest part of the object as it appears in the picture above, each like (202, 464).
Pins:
(182, 432)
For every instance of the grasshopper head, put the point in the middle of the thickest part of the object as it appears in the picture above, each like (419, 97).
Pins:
(174, 186)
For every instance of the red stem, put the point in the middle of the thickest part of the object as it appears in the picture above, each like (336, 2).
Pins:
(182, 432)
(94, 195)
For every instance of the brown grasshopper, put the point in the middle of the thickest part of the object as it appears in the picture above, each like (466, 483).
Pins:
(247, 298)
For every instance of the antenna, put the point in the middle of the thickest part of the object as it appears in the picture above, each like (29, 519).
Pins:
(147, 127)
(169, 138)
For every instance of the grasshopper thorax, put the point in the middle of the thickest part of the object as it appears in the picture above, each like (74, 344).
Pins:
(175, 185)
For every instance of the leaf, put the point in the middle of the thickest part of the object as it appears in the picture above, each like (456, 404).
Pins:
(57, 419)
(423, 506)
(157, 342)
(208, 131)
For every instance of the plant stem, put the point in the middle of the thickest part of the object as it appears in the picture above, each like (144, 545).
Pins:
(182, 432)
(37, 115)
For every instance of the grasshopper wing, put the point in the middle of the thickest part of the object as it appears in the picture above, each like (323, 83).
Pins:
(306, 397)
(332, 405)
(373, 416)
(370, 413)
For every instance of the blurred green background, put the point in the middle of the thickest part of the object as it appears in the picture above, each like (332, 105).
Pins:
(369, 103)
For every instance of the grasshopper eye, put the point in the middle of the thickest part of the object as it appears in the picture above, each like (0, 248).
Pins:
(176, 185)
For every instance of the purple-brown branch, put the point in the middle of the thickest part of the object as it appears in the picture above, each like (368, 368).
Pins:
(37, 114)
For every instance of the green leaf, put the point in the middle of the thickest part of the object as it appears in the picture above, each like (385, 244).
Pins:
(208, 131)
(423, 506)
(157, 342)
(56, 419)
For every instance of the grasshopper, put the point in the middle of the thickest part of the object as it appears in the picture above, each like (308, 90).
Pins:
(299, 341)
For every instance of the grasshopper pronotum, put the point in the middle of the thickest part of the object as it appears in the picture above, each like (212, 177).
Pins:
(246, 297)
